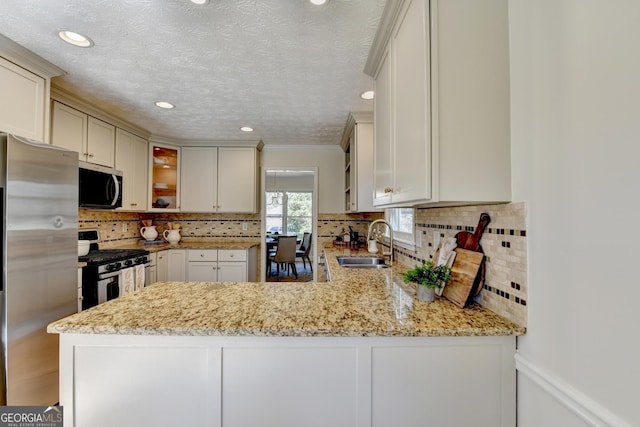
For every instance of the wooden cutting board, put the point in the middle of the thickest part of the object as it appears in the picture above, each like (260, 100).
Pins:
(464, 271)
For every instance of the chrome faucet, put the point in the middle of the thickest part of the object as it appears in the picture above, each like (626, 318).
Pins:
(390, 253)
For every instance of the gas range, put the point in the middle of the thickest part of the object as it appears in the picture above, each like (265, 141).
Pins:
(101, 276)
(110, 260)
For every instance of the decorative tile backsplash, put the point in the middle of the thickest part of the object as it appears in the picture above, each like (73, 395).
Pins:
(117, 228)
(504, 245)
(503, 242)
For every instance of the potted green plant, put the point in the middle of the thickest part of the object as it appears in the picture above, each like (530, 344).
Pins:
(428, 277)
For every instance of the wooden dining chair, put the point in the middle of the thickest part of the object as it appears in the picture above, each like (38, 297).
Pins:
(303, 250)
(285, 255)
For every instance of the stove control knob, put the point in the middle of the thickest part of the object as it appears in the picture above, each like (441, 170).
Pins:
(113, 267)
(128, 262)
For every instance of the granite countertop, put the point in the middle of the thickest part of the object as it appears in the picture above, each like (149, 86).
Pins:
(157, 247)
(357, 302)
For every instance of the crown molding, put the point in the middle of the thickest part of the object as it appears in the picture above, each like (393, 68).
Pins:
(354, 118)
(258, 144)
(328, 147)
(24, 58)
(387, 21)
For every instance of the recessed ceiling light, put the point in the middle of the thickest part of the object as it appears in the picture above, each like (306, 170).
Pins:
(164, 104)
(75, 39)
(200, 2)
(368, 94)
(316, 2)
(246, 129)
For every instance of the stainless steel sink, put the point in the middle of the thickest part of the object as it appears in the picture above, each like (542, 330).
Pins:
(361, 262)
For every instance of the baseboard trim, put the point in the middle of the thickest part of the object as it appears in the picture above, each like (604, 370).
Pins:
(582, 406)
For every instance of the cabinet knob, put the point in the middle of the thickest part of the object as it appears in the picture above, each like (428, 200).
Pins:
(231, 256)
(388, 190)
(90, 155)
(201, 255)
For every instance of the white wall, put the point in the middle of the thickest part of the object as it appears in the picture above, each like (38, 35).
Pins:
(575, 70)
(330, 164)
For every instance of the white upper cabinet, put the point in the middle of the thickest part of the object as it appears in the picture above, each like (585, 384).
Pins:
(441, 124)
(74, 130)
(22, 111)
(25, 81)
(357, 142)
(237, 179)
(199, 179)
(132, 160)
(410, 89)
(69, 128)
(219, 179)
(383, 148)
(101, 142)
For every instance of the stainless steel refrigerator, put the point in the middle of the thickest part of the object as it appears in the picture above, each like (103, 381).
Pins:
(39, 283)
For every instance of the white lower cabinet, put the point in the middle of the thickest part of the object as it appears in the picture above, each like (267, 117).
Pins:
(221, 265)
(267, 381)
(170, 265)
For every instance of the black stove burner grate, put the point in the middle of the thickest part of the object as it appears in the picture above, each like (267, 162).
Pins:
(104, 256)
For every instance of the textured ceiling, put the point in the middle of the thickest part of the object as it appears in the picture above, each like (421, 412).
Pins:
(290, 69)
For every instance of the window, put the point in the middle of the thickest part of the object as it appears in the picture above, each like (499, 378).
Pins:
(289, 212)
(402, 221)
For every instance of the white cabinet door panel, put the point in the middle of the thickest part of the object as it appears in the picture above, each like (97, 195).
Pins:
(412, 385)
(237, 179)
(411, 162)
(177, 265)
(382, 156)
(23, 94)
(232, 271)
(198, 179)
(69, 129)
(139, 174)
(202, 272)
(176, 379)
(310, 387)
(101, 142)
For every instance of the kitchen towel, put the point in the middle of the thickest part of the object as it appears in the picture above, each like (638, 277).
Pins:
(127, 281)
(139, 279)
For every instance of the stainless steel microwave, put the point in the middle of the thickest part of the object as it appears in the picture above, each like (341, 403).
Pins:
(100, 187)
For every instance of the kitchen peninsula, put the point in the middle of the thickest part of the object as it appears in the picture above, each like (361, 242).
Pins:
(355, 351)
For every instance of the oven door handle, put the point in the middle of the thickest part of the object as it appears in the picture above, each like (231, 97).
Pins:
(109, 274)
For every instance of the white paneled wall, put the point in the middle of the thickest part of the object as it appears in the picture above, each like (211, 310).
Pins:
(575, 97)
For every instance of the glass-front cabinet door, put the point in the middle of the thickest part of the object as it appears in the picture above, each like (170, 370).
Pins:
(164, 177)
